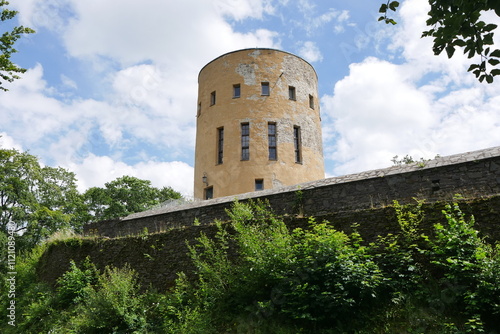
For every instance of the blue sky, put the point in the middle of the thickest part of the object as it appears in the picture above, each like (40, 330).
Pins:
(111, 86)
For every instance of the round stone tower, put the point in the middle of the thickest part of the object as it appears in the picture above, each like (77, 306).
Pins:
(258, 123)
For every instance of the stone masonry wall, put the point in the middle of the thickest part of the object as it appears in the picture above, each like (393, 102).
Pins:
(473, 175)
(364, 198)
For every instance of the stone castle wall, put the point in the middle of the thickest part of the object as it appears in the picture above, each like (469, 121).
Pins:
(364, 199)
(473, 175)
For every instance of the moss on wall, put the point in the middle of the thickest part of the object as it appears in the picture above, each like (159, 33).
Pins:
(158, 257)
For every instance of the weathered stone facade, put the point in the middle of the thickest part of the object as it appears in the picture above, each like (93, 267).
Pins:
(231, 95)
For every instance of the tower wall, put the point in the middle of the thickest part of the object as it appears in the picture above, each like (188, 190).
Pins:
(292, 107)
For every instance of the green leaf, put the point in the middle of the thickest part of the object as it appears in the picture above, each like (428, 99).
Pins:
(450, 50)
(493, 61)
(383, 8)
(490, 27)
(495, 53)
(489, 79)
(459, 42)
(393, 5)
(488, 39)
(472, 66)
(496, 71)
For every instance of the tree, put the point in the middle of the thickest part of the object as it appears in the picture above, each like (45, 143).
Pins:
(457, 24)
(8, 70)
(123, 196)
(36, 200)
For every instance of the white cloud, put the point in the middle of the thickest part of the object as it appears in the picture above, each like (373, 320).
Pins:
(7, 142)
(426, 105)
(188, 31)
(310, 52)
(95, 171)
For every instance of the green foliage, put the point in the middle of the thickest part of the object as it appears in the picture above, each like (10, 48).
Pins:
(457, 24)
(8, 69)
(329, 280)
(114, 305)
(321, 280)
(39, 200)
(123, 196)
(254, 275)
(72, 285)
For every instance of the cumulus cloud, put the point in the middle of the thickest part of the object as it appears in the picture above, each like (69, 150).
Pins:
(383, 109)
(310, 52)
(7, 142)
(95, 171)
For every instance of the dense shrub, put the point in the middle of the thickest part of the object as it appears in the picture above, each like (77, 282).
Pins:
(257, 276)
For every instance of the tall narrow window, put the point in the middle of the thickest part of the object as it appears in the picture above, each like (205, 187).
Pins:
(291, 93)
(297, 144)
(199, 109)
(212, 98)
(236, 91)
(311, 101)
(259, 184)
(220, 145)
(265, 88)
(209, 192)
(245, 141)
(271, 135)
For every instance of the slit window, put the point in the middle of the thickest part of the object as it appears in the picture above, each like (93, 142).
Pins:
(311, 101)
(212, 98)
(297, 144)
(259, 184)
(291, 93)
(220, 145)
(245, 141)
(265, 88)
(271, 135)
(236, 91)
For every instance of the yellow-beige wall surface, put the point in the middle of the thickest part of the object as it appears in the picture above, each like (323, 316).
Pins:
(222, 167)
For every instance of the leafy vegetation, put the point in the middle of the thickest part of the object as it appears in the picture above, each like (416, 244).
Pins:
(41, 200)
(257, 276)
(123, 196)
(457, 24)
(8, 69)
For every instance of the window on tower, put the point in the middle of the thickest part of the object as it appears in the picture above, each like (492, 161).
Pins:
(259, 184)
(291, 93)
(209, 192)
(245, 141)
(311, 101)
(265, 88)
(236, 91)
(212, 98)
(297, 144)
(271, 135)
(220, 145)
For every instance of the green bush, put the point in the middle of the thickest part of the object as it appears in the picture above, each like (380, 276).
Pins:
(256, 276)
(113, 305)
(72, 285)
